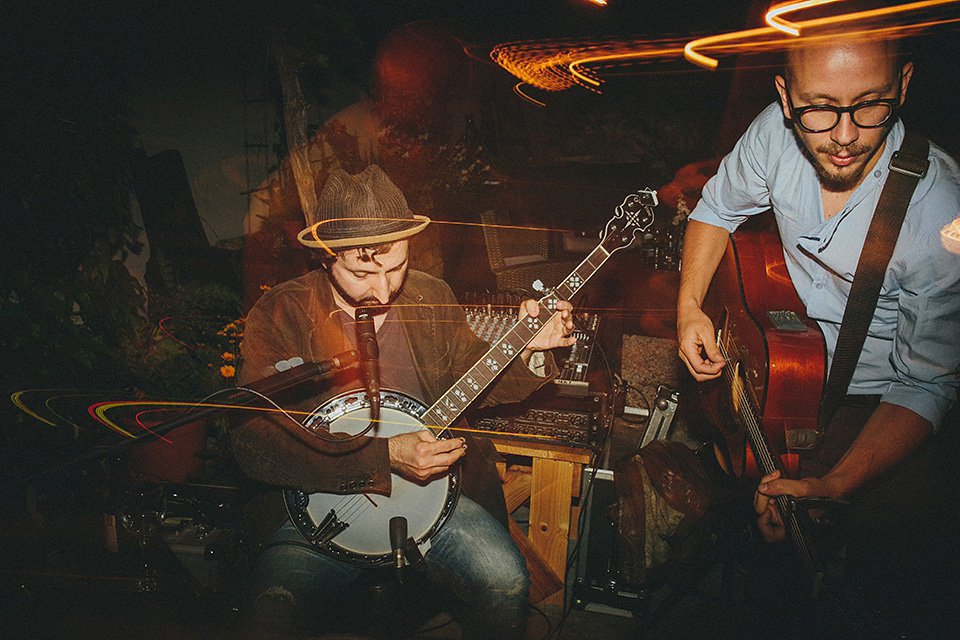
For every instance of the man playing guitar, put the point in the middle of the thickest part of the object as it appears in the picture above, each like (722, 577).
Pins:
(819, 159)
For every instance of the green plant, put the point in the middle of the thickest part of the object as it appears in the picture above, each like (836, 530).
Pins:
(179, 354)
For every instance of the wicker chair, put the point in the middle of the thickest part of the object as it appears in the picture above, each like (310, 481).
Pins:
(520, 256)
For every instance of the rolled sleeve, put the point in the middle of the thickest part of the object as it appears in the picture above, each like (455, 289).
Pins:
(739, 189)
(926, 352)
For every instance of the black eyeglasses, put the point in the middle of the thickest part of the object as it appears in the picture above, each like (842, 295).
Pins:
(868, 114)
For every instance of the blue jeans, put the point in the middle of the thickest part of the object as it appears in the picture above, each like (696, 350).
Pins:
(472, 558)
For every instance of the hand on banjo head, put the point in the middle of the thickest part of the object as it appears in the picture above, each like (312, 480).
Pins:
(420, 456)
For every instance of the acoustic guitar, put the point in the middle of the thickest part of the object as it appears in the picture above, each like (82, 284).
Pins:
(773, 379)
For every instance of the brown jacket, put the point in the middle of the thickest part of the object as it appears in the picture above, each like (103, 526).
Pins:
(295, 319)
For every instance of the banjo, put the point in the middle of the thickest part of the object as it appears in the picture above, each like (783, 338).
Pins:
(355, 527)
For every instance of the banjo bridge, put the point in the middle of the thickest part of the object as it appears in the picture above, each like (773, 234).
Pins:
(329, 528)
(323, 424)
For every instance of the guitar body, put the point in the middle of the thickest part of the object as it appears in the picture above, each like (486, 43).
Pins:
(777, 355)
(366, 539)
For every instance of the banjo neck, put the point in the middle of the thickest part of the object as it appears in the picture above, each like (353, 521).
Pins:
(635, 215)
(352, 526)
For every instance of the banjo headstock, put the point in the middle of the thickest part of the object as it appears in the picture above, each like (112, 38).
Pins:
(632, 217)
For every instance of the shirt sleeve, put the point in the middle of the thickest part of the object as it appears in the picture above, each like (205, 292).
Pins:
(926, 350)
(268, 445)
(739, 189)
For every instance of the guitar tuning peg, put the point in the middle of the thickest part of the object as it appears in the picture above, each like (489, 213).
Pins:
(538, 286)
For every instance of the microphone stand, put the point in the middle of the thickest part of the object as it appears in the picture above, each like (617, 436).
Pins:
(236, 397)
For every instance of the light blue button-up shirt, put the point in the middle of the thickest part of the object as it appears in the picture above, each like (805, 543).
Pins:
(911, 356)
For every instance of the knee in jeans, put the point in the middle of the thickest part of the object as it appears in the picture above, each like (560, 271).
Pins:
(511, 588)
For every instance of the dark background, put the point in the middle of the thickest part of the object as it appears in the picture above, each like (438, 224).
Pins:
(88, 89)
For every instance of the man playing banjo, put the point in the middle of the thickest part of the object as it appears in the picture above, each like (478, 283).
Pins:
(362, 225)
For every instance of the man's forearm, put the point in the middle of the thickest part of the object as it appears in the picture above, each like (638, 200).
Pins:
(703, 247)
(889, 436)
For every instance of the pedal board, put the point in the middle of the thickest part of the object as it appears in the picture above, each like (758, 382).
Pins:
(598, 585)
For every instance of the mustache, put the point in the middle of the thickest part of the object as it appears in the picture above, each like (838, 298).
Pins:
(835, 149)
(374, 306)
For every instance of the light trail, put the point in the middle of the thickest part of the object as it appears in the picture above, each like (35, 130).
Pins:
(546, 64)
(517, 90)
(774, 20)
(99, 410)
(560, 64)
(858, 20)
(663, 52)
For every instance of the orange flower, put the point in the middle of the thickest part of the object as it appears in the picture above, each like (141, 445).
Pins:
(227, 371)
(227, 356)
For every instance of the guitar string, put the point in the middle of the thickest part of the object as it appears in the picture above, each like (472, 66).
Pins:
(496, 349)
(754, 429)
(573, 286)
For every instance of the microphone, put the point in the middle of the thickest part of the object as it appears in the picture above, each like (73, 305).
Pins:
(295, 371)
(398, 539)
(369, 357)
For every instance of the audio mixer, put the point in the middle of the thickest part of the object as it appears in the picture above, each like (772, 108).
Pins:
(490, 322)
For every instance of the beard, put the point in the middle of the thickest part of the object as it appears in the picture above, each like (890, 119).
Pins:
(832, 177)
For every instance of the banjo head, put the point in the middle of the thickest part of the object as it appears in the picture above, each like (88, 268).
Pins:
(365, 541)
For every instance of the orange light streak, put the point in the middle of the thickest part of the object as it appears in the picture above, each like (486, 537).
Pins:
(25, 401)
(557, 65)
(728, 39)
(654, 53)
(517, 90)
(774, 20)
(546, 64)
(743, 39)
(99, 410)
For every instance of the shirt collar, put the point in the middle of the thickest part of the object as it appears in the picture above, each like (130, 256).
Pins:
(822, 235)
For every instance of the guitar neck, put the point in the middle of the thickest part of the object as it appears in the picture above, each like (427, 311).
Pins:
(451, 405)
(767, 463)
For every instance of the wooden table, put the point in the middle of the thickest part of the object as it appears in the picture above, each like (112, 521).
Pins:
(550, 482)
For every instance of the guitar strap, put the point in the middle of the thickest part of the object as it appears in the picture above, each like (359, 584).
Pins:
(907, 166)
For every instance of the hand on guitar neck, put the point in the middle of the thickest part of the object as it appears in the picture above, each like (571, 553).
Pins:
(891, 433)
(769, 520)
(557, 333)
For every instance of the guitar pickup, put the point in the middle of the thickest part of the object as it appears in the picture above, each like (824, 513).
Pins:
(329, 528)
(786, 321)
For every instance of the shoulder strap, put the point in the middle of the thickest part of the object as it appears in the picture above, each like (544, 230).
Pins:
(907, 166)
